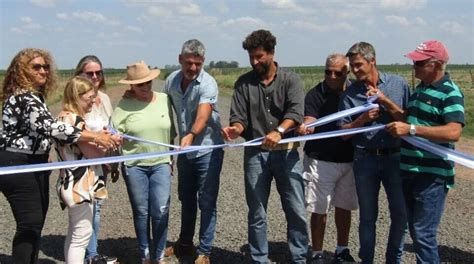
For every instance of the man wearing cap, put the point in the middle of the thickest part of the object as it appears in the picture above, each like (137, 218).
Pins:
(435, 112)
(267, 102)
(376, 154)
(193, 94)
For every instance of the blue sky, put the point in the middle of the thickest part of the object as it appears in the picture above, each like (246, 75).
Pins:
(123, 31)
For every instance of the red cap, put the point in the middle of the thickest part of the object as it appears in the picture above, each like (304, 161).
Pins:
(429, 49)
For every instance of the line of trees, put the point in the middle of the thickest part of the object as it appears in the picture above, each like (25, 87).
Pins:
(223, 64)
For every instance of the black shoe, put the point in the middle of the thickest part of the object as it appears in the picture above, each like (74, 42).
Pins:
(318, 259)
(343, 257)
(102, 259)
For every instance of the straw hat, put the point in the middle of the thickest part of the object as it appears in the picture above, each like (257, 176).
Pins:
(139, 72)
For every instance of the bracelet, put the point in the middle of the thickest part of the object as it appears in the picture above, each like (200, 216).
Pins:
(192, 133)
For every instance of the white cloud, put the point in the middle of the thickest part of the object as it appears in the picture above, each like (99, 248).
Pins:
(159, 11)
(44, 3)
(452, 27)
(403, 4)
(420, 21)
(280, 4)
(62, 16)
(134, 29)
(17, 30)
(189, 9)
(309, 26)
(222, 7)
(244, 22)
(397, 20)
(26, 20)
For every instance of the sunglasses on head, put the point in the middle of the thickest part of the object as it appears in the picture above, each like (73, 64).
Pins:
(337, 73)
(92, 73)
(37, 67)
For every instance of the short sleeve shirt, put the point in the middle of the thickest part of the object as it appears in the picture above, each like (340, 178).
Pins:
(396, 89)
(432, 105)
(321, 101)
(200, 91)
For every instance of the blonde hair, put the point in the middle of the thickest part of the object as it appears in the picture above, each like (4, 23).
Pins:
(76, 87)
(17, 79)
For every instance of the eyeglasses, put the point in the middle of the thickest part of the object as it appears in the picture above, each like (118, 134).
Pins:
(143, 84)
(423, 63)
(92, 73)
(337, 73)
(37, 67)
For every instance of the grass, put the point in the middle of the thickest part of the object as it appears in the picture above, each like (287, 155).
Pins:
(310, 76)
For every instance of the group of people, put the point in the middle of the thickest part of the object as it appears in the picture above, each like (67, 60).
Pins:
(268, 104)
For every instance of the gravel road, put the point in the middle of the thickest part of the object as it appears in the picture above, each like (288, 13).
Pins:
(117, 236)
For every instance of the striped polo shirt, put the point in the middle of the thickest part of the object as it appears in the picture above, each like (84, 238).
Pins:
(436, 104)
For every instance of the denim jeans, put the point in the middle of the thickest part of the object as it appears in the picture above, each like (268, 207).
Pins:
(91, 249)
(369, 171)
(260, 168)
(198, 185)
(149, 190)
(424, 196)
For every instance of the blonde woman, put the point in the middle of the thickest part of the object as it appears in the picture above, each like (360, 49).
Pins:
(28, 132)
(78, 187)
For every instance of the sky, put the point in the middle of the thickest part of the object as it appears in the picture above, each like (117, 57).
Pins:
(121, 32)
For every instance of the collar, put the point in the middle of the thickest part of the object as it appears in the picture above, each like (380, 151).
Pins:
(439, 83)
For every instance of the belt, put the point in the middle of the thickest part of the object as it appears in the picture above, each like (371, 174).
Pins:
(381, 151)
(285, 146)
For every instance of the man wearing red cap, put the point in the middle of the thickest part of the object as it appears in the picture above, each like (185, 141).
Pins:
(435, 112)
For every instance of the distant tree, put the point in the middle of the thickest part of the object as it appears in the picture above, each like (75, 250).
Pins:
(223, 64)
(211, 64)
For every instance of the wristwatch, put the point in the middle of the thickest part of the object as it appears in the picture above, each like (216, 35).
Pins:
(280, 130)
(412, 130)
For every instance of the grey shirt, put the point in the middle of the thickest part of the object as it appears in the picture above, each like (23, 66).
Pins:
(396, 89)
(261, 109)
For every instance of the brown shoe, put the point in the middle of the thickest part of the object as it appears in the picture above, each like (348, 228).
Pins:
(179, 249)
(202, 259)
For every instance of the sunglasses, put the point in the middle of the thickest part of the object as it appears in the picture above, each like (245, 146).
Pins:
(422, 63)
(142, 84)
(37, 67)
(92, 73)
(337, 73)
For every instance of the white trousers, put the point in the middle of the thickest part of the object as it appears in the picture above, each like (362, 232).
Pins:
(79, 233)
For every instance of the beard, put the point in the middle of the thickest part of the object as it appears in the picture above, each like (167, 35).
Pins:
(261, 69)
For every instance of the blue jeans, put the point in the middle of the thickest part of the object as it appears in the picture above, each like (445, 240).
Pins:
(369, 171)
(424, 197)
(149, 190)
(260, 168)
(91, 249)
(198, 185)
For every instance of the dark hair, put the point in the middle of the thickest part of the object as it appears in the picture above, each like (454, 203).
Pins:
(260, 39)
(366, 50)
(86, 60)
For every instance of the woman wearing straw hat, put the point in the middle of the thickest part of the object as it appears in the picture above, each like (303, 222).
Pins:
(146, 114)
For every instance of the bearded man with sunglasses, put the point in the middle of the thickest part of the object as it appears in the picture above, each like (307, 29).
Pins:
(376, 154)
(329, 180)
(436, 113)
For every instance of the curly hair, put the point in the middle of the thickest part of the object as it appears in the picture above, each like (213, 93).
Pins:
(76, 87)
(82, 64)
(17, 79)
(260, 39)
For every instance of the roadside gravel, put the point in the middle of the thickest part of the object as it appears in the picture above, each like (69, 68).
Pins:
(117, 236)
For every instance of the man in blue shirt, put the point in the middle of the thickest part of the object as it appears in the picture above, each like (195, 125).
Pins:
(376, 154)
(193, 93)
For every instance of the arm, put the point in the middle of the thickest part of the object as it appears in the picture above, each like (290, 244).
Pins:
(273, 137)
(302, 129)
(450, 132)
(203, 113)
(395, 111)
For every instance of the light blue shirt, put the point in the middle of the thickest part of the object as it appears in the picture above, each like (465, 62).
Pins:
(396, 89)
(200, 91)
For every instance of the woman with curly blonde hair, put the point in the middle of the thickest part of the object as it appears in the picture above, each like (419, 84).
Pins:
(28, 131)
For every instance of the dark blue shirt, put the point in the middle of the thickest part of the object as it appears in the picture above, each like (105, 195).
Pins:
(396, 89)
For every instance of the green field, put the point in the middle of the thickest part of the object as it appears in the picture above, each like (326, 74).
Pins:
(461, 74)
